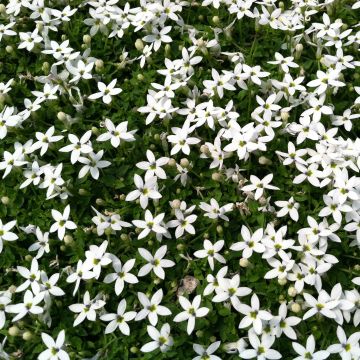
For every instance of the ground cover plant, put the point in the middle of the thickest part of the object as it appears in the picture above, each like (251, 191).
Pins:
(180, 179)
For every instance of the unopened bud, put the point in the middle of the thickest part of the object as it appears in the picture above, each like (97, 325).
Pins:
(284, 116)
(134, 349)
(184, 162)
(264, 161)
(216, 176)
(5, 200)
(172, 162)
(27, 335)
(9, 49)
(68, 239)
(139, 45)
(61, 116)
(87, 39)
(28, 257)
(175, 204)
(216, 20)
(100, 202)
(295, 307)
(140, 77)
(45, 67)
(292, 291)
(14, 331)
(244, 262)
(99, 64)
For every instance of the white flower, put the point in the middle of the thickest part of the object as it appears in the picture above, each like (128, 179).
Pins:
(5, 234)
(78, 146)
(259, 185)
(288, 207)
(93, 163)
(116, 134)
(153, 167)
(5, 299)
(106, 91)
(155, 263)
(253, 315)
(157, 37)
(210, 252)
(61, 222)
(87, 310)
(284, 324)
(150, 224)
(181, 140)
(348, 348)
(250, 244)
(30, 305)
(229, 289)
(44, 139)
(182, 223)
(97, 257)
(323, 305)
(284, 62)
(152, 308)
(309, 351)
(192, 311)
(206, 353)
(161, 339)
(81, 273)
(214, 211)
(121, 275)
(32, 277)
(145, 191)
(261, 348)
(54, 349)
(119, 320)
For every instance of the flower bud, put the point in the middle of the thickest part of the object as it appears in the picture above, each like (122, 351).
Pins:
(139, 45)
(140, 77)
(180, 247)
(5, 200)
(216, 176)
(172, 162)
(156, 137)
(68, 239)
(100, 202)
(14, 331)
(167, 50)
(82, 192)
(295, 307)
(28, 257)
(9, 49)
(124, 237)
(87, 39)
(27, 335)
(219, 229)
(61, 116)
(292, 291)
(157, 281)
(216, 20)
(134, 349)
(2, 9)
(45, 67)
(150, 243)
(199, 333)
(243, 262)
(204, 149)
(99, 65)
(184, 162)
(212, 339)
(264, 161)
(284, 116)
(175, 204)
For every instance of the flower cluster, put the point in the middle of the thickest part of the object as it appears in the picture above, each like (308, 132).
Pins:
(184, 182)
